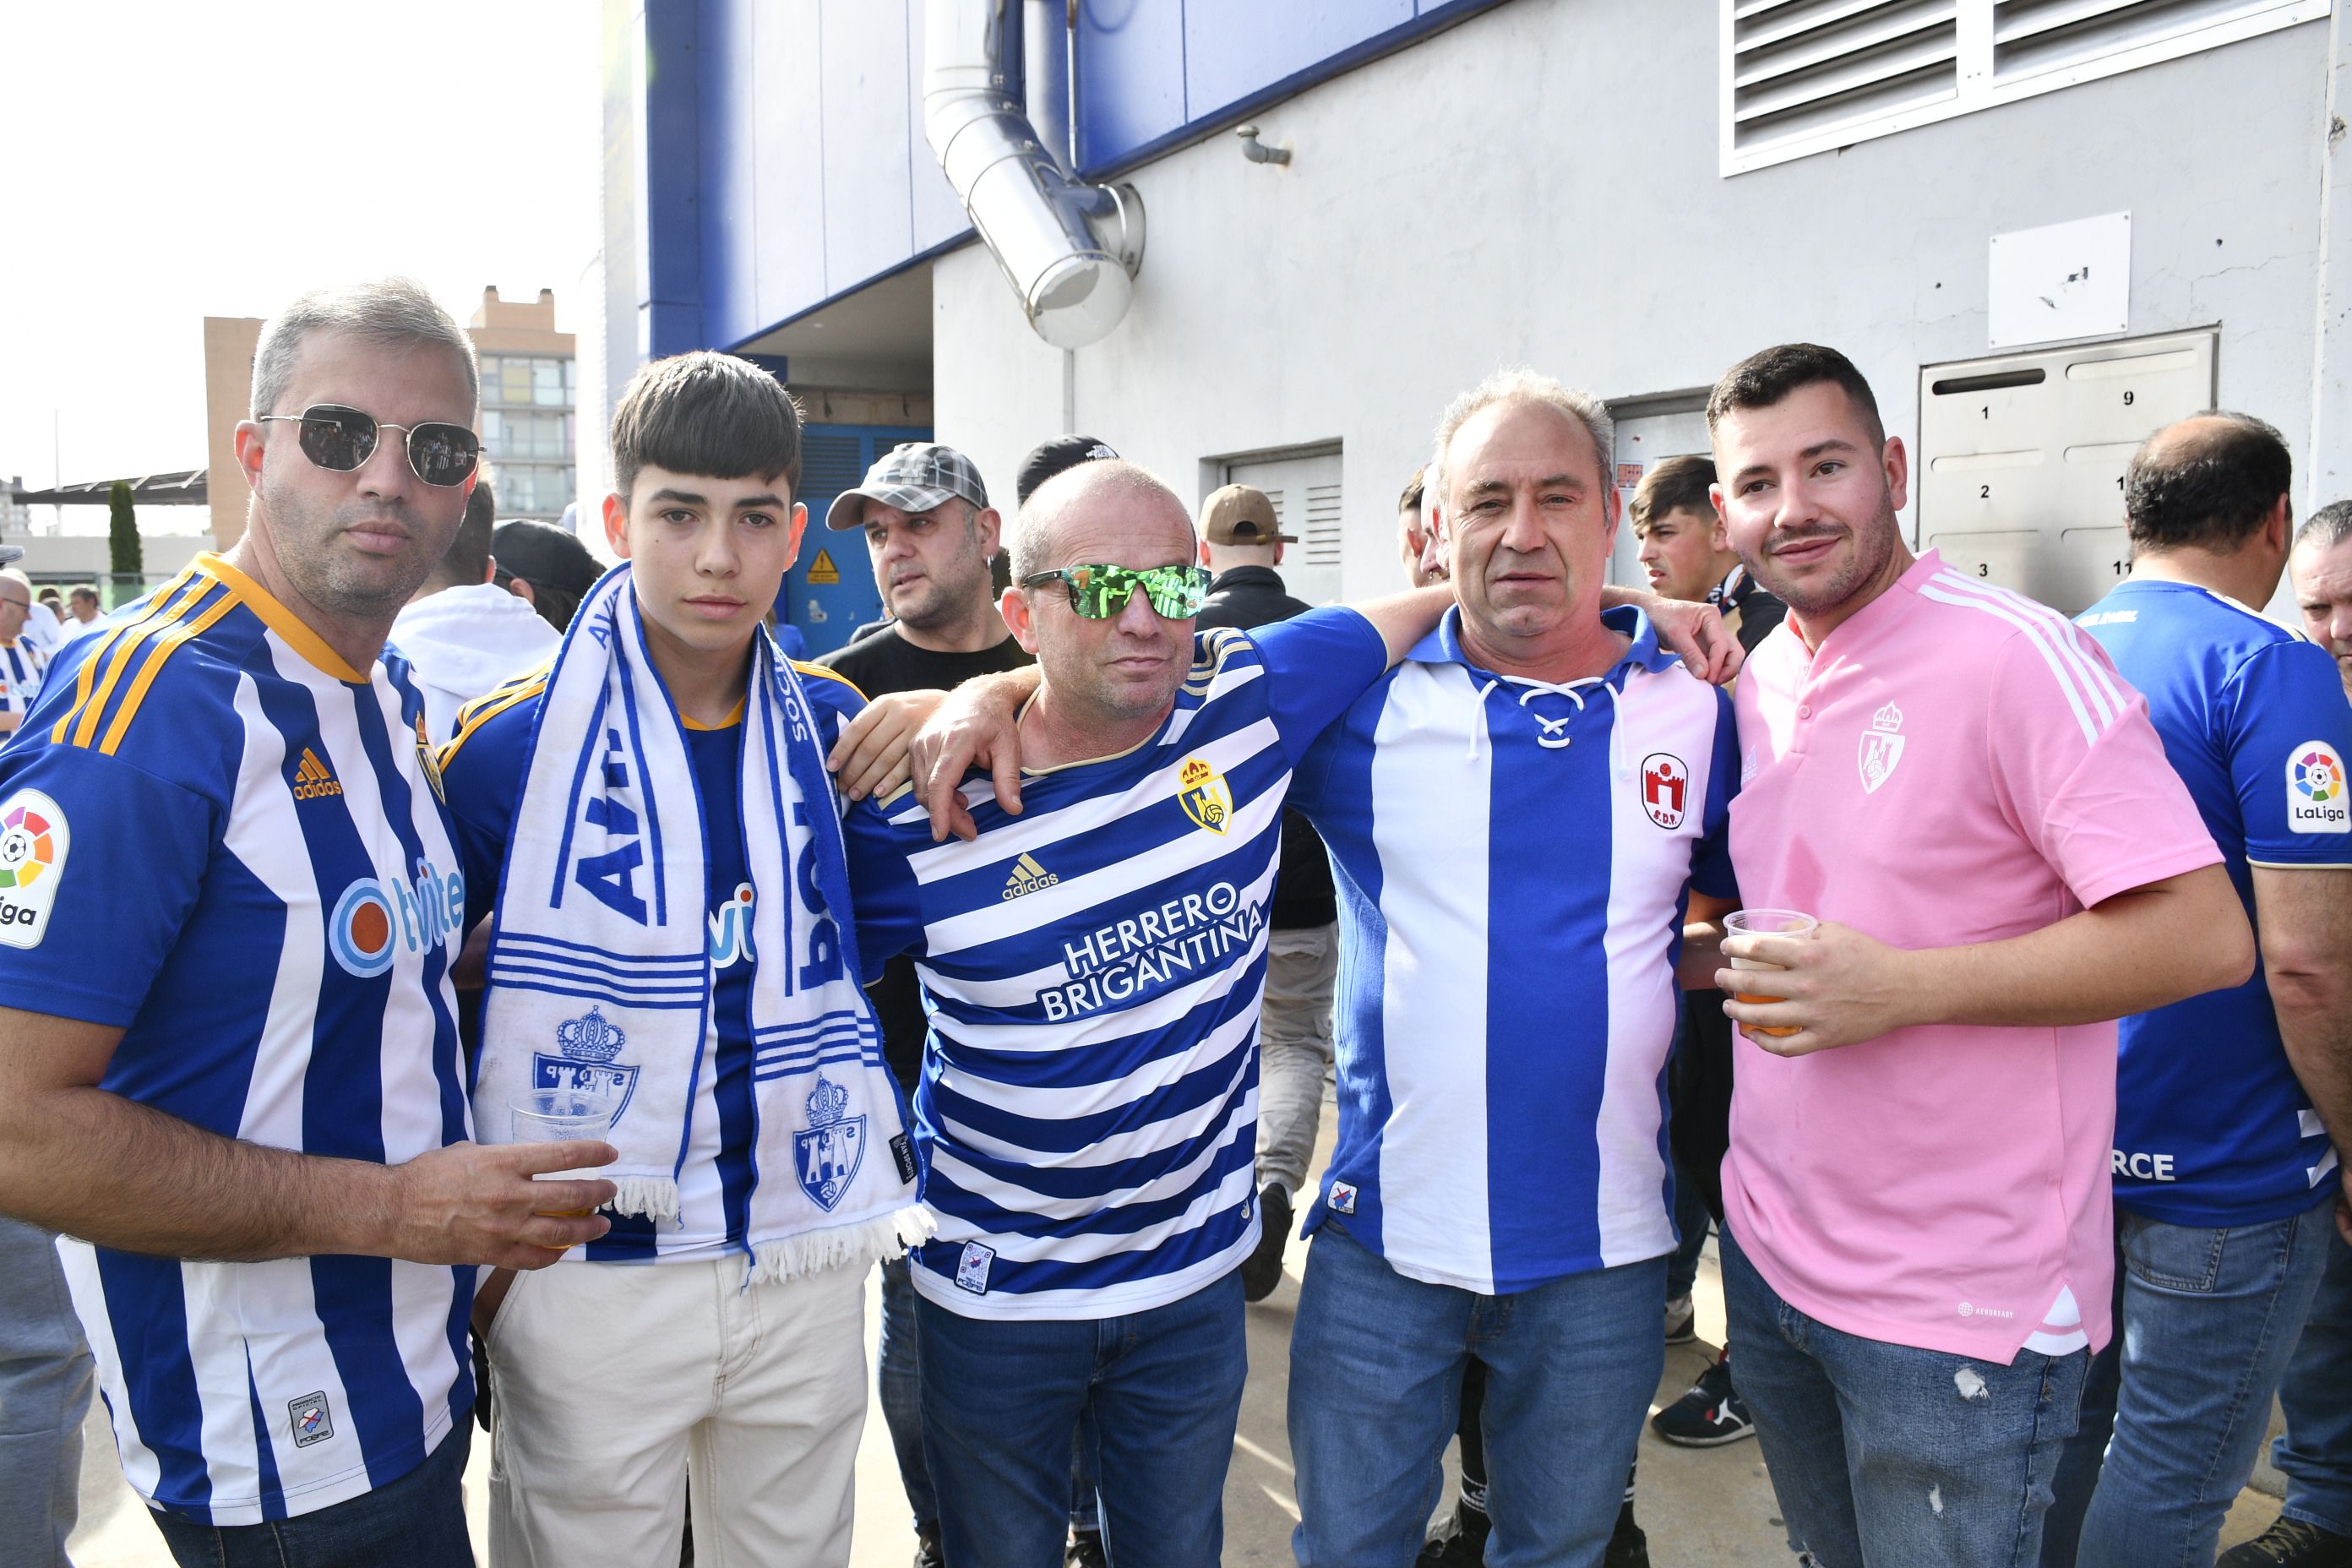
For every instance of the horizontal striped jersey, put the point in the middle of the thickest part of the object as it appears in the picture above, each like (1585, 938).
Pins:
(484, 769)
(2212, 1127)
(218, 836)
(22, 663)
(1086, 1118)
(1512, 858)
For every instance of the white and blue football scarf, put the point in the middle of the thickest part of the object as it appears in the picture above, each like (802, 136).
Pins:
(600, 975)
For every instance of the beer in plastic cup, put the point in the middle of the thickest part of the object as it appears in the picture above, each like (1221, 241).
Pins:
(561, 1116)
(1765, 923)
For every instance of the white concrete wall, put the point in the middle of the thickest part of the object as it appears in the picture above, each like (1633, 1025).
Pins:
(1541, 184)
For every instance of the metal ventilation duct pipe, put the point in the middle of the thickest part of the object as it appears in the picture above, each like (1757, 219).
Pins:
(1068, 249)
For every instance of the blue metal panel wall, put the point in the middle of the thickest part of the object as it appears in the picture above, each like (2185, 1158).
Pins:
(834, 457)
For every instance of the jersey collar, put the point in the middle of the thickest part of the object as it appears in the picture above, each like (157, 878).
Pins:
(1443, 645)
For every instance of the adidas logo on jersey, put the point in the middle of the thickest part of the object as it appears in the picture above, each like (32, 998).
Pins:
(1028, 877)
(313, 779)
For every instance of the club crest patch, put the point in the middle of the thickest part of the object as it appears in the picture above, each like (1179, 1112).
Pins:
(429, 760)
(34, 840)
(1207, 799)
(1665, 788)
(313, 1419)
(588, 1043)
(1882, 748)
(2315, 793)
(829, 1151)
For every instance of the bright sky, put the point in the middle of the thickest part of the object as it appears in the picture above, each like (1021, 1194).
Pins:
(163, 162)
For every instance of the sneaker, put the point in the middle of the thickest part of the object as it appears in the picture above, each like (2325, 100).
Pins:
(1628, 1547)
(927, 1547)
(1682, 1320)
(1262, 1270)
(1085, 1550)
(2292, 1543)
(1459, 1542)
(1709, 1415)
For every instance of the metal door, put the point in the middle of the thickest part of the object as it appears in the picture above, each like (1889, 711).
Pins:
(1305, 487)
(2021, 457)
(830, 593)
(1649, 431)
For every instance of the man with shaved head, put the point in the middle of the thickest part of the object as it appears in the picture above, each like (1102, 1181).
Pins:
(1085, 1119)
(2224, 1103)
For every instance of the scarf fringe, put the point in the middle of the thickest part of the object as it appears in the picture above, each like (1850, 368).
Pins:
(875, 1241)
(653, 1196)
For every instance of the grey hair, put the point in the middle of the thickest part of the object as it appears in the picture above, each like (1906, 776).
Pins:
(2328, 527)
(1032, 534)
(394, 311)
(1514, 384)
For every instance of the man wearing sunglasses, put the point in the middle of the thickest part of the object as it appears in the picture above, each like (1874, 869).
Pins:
(229, 1053)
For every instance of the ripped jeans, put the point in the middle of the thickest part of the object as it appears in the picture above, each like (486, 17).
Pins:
(1895, 1457)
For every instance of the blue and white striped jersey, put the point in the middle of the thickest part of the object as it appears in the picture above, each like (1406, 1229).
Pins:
(1512, 859)
(1087, 1119)
(219, 837)
(21, 665)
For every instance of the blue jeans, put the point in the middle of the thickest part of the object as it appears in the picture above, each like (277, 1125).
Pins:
(2205, 1320)
(44, 1383)
(2315, 1454)
(1883, 1453)
(1003, 1402)
(1376, 1365)
(417, 1521)
(899, 1383)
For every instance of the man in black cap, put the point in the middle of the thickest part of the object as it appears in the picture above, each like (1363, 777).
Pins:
(1241, 542)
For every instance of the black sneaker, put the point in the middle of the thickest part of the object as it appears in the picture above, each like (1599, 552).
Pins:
(1459, 1542)
(1682, 1320)
(927, 1547)
(1085, 1550)
(2291, 1543)
(1709, 1415)
(1262, 1270)
(1628, 1547)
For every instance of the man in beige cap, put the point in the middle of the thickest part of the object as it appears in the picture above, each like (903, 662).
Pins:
(1240, 544)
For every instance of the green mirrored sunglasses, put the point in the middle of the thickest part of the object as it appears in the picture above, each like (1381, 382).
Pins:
(1099, 593)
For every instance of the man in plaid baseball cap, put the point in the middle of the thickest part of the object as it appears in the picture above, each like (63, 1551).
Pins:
(912, 477)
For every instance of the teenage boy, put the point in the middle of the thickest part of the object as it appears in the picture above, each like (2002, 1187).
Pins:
(654, 814)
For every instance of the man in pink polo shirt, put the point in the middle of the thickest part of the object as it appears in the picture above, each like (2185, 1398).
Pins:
(1918, 1248)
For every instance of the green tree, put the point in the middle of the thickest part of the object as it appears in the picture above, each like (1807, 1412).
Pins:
(123, 532)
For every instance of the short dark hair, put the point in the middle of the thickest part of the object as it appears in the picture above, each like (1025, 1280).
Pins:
(467, 559)
(2209, 485)
(1410, 500)
(1762, 380)
(1678, 484)
(706, 412)
(82, 591)
(2328, 527)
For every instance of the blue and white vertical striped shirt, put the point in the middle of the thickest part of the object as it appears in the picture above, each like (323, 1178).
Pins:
(219, 837)
(1512, 858)
(21, 665)
(1086, 1118)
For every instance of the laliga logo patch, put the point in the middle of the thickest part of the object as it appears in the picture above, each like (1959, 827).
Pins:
(1207, 799)
(1665, 785)
(1882, 748)
(33, 843)
(2316, 790)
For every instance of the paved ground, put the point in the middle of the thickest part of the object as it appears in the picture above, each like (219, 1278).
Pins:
(1702, 1508)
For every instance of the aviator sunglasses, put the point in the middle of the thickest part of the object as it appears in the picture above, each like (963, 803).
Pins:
(1099, 593)
(340, 438)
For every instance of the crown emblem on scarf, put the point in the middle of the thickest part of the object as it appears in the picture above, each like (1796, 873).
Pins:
(827, 1103)
(589, 1038)
(1888, 719)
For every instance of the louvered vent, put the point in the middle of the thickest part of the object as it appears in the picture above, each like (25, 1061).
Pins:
(1320, 540)
(830, 464)
(2030, 36)
(1804, 67)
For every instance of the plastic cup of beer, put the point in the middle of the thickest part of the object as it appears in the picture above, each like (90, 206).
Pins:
(561, 1116)
(1765, 923)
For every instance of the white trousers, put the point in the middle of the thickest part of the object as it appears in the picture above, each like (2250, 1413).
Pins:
(1294, 1035)
(618, 1385)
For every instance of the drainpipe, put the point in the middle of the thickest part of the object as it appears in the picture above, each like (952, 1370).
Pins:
(1069, 249)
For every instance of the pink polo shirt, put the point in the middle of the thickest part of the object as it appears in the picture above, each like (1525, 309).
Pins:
(1956, 764)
